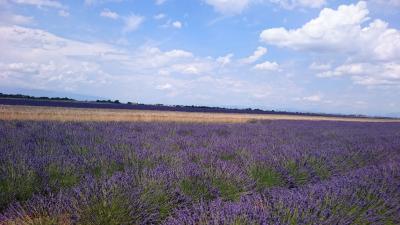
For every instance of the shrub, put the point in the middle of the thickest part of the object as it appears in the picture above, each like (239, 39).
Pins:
(227, 189)
(265, 177)
(196, 188)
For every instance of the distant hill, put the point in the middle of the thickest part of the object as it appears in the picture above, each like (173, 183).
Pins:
(18, 99)
(47, 93)
(20, 96)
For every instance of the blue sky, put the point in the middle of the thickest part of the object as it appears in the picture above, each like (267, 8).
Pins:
(304, 55)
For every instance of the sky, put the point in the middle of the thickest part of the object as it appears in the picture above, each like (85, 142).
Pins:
(328, 56)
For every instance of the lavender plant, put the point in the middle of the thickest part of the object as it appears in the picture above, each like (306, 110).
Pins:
(264, 172)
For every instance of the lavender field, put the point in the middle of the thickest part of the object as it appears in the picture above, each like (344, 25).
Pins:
(263, 172)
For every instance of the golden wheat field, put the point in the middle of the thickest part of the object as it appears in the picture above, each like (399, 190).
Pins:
(77, 114)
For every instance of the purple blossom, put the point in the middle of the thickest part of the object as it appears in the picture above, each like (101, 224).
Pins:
(266, 172)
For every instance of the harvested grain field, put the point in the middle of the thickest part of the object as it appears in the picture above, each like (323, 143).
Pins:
(38, 113)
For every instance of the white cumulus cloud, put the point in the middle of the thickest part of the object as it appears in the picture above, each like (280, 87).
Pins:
(312, 98)
(267, 66)
(177, 53)
(11, 18)
(177, 24)
(340, 30)
(257, 54)
(225, 60)
(368, 74)
(162, 87)
(332, 29)
(109, 14)
(132, 22)
(320, 66)
(159, 16)
(37, 59)
(350, 33)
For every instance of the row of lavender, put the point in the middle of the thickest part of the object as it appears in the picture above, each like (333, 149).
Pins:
(267, 172)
